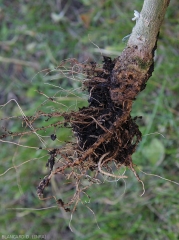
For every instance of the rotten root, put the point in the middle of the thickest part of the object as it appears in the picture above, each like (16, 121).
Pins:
(105, 134)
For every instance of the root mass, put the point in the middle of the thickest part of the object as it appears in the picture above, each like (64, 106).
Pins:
(106, 133)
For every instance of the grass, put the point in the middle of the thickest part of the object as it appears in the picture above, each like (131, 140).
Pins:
(39, 35)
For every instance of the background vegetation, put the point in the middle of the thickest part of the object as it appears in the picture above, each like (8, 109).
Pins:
(37, 35)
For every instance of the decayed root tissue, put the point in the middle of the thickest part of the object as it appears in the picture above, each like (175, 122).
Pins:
(106, 135)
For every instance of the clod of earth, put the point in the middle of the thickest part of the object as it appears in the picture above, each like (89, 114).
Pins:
(105, 125)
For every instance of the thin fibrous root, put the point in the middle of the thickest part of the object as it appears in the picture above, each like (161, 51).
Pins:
(138, 178)
(106, 173)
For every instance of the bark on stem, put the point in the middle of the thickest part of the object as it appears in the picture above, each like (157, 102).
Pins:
(145, 32)
(135, 65)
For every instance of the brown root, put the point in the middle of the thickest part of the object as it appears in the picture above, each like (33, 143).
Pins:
(105, 133)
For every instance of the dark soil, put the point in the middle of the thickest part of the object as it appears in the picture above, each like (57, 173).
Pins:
(101, 117)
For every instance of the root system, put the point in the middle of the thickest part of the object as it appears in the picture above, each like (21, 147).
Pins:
(105, 133)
